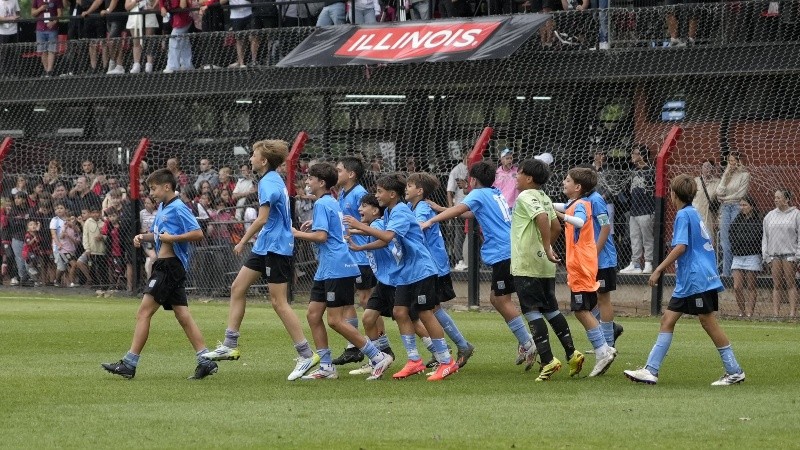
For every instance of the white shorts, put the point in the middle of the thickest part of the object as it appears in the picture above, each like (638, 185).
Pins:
(135, 23)
(749, 262)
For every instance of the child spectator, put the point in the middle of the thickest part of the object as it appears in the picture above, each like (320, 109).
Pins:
(116, 251)
(219, 231)
(95, 247)
(18, 216)
(47, 31)
(146, 217)
(140, 25)
(179, 56)
(9, 11)
(642, 204)
(33, 251)
(697, 284)
(65, 236)
(746, 232)
(241, 19)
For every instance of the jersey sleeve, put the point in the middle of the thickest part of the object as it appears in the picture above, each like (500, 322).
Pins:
(397, 224)
(580, 211)
(187, 221)
(266, 193)
(680, 230)
(473, 200)
(321, 219)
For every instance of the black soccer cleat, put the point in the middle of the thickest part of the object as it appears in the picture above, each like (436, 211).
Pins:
(350, 355)
(204, 369)
(119, 368)
(618, 330)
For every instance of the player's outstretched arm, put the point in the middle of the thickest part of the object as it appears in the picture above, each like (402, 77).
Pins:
(383, 235)
(447, 214)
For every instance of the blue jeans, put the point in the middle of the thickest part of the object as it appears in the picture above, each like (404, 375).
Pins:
(365, 15)
(603, 7)
(180, 50)
(727, 212)
(331, 15)
(22, 269)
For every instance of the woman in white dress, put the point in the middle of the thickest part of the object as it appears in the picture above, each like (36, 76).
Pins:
(141, 25)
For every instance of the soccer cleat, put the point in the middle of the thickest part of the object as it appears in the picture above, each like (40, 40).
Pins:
(549, 369)
(303, 365)
(575, 363)
(222, 353)
(464, 354)
(642, 376)
(350, 355)
(729, 379)
(521, 352)
(380, 367)
(411, 368)
(204, 369)
(444, 371)
(432, 363)
(119, 368)
(603, 363)
(530, 358)
(322, 374)
(366, 369)
(618, 330)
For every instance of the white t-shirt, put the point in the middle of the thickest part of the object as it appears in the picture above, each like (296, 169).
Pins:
(57, 224)
(8, 8)
(240, 13)
(459, 172)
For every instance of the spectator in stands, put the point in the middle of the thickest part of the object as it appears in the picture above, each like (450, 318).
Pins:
(780, 248)
(209, 18)
(642, 209)
(304, 201)
(174, 166)
(746, 232)
(705, 202)
(226, 181)
(9, 10)
(733, 186)
(225, 197)
(8, 265)
(74, 52)
(367, 11)
(95, 30)
(95, 247)
(146, 218)
(207, 173)
(141, 25)
(81, 196)
(265, 15)
(33, 252)
(219, 228)
(420, 10)
(53, 176)
(179, 56)
(411, 165)
(65, 234)
(457, 186)
(332, 14)
(298, 15)
(18, 216)
(672, 23)
(48, 12)
(506, 176)
(116, 22)
(205, 188)
(244, 187)
(20, 186)
(87, 170)
(117, 259)
(59, 193)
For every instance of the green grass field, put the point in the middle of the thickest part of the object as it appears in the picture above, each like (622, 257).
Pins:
(54, 393)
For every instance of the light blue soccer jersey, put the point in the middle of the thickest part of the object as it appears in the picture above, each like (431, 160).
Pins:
(276, 235)
(408, 246)
(433, 238)
(608, 256)
(696, 269)
(175, 218)
(382, 262)
(334, 259)
(348, 203)
(494, 216)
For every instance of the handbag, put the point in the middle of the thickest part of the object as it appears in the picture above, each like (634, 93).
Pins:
(713, 205)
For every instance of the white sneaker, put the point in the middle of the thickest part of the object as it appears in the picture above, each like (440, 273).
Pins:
(168, 70)
(111, 65)
(136, 68)
(603, 46)
(322, 374)
(641, 376)
(15, 281)
(366, 369)
(117, 70)
(381, 366)
(222, 353)
(236, 65)
(74, 285)
(303, 366)
(632, 269)
(461, 266)
(729, 379)
(648, 267)
(604, 362)
(32, 271)
(148, 68)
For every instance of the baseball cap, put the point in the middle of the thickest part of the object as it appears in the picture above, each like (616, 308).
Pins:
(546, 158)
(505, 152)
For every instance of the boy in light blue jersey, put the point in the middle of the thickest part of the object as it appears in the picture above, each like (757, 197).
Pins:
(419, 187)
(416, 278)
(350, 170)
(490, 209)
(697, 284)
(270, 258)
(173, 228)
(334, 280)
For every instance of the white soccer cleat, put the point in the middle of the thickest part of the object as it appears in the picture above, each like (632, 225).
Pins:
(603, 362)
(303, 365)
(222, 353)
(322, 374)
(729, 379)
(641, 376)
(380, 367)
(366, 369)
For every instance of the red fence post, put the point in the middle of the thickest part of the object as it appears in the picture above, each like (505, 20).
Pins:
(293, 160)
(134, 176)
(473, 279)
(5, 149)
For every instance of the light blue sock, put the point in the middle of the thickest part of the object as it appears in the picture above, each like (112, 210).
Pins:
(450, 328)
(608, 332)
(441, 352)
(410, 343)
(729, 360)
(354, 322)
(596, 313)
(517, 326)
(383, 342)
(132, 360)
(595, 336)
(325, 360)
(370, 350)
(659, 352)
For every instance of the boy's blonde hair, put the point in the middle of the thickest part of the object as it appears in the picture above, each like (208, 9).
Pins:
(684, 188)
(274, 151)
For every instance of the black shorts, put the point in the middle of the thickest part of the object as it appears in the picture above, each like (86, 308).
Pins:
(366, 280)
(502, 280)
(167, 283)
(420, 295)
(242, 24)
(336, 292)
(94, 28)
(608, 280)
(444, 288)
(703, 303)
(536, 294)
(582, 301)
(382, 299)
(116, 27)
(277, 269)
